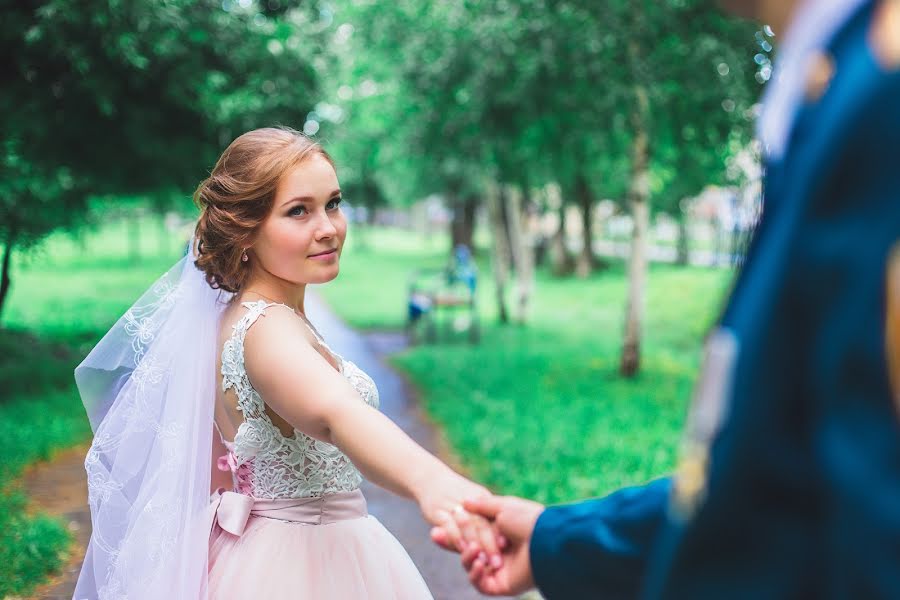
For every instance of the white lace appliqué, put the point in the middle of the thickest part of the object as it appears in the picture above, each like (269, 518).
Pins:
(270, 465)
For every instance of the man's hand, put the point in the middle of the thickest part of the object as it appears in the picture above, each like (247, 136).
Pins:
(514, 520)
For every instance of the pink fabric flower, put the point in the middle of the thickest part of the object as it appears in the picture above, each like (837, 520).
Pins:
(240, 472)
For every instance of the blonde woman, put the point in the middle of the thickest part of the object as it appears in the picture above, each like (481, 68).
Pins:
(219, 354)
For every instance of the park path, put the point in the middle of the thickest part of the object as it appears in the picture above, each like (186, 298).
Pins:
(58, 487)
(441, 569)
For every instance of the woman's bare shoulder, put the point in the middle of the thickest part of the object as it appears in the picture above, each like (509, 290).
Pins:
(277, 332)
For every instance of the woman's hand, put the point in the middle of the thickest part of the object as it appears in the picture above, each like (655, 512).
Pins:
(441, 503)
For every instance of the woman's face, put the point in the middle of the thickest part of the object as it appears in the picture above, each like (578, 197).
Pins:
(301, 239)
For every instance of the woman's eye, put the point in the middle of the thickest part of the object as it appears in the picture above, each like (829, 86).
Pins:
(297, 211)
(334, 203)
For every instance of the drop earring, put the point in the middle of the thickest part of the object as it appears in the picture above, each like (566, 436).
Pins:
(244, 257)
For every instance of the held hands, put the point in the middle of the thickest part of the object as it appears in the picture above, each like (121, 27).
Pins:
(442, 506)
(513, 522)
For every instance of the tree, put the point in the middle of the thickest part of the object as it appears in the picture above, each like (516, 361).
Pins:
(597, 100)
(670, 85)
(32, 203)
(139, 98)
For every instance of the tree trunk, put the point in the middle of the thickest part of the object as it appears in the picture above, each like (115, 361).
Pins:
(637, 265)
(561, 263)
(682, 246)
(500, 255)
(462, 227)
(522, 252)
(5, 280)
(585, 262)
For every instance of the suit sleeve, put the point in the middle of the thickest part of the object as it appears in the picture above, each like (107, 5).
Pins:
(598, 547)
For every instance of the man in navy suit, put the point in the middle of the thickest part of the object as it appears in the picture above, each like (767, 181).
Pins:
(789, 482)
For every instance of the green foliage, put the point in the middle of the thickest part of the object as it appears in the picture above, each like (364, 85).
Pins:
(540, 411)
(47, 366)
(136, 98)
(34, 200)
(30, 546)
(443, 97)
(141, 96)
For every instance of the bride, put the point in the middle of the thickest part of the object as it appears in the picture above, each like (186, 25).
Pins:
(216, 370)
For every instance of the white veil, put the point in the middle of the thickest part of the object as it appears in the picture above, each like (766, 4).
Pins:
(149, 391)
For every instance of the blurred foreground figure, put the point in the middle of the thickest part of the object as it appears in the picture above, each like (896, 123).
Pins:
(789, 483)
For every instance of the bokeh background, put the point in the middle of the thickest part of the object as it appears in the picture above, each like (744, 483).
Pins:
(598, 159)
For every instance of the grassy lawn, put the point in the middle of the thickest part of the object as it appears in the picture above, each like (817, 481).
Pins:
(65, 295)
(539, 410)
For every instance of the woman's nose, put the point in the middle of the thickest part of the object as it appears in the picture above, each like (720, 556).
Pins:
(326, 228)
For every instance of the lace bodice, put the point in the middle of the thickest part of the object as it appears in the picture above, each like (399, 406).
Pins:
(266, 464)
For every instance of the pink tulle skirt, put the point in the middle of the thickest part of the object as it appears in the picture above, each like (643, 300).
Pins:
(322, 548)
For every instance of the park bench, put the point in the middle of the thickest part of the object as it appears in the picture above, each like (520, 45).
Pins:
(444, 300)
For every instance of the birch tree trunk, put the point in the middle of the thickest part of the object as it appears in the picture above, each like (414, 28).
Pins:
(500, 249)
(522, 252)
(640, 212)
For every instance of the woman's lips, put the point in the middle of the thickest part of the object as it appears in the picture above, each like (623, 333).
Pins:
(327, 255)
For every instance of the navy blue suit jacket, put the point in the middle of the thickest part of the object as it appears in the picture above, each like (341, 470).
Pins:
(803, 484)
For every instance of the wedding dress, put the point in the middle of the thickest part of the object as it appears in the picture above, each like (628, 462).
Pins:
(295, 525)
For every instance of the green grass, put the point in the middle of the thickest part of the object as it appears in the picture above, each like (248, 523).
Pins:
(540, 410)
(37, 416)
(65, 295)
(74, 289)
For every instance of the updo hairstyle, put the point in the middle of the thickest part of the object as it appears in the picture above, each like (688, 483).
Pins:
(237, 196)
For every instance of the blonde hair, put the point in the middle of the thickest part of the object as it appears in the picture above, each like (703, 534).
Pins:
(237, 197)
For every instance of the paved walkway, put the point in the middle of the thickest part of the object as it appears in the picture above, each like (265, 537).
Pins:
(59, 488)
(441, 569)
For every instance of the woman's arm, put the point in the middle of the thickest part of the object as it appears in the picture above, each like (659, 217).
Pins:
(302, 387)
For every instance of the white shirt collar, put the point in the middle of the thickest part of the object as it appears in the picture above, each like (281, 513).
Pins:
(813, 26)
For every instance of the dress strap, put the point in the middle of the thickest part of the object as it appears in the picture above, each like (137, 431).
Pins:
(254, 311)
(234, 374)
(259, 306)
